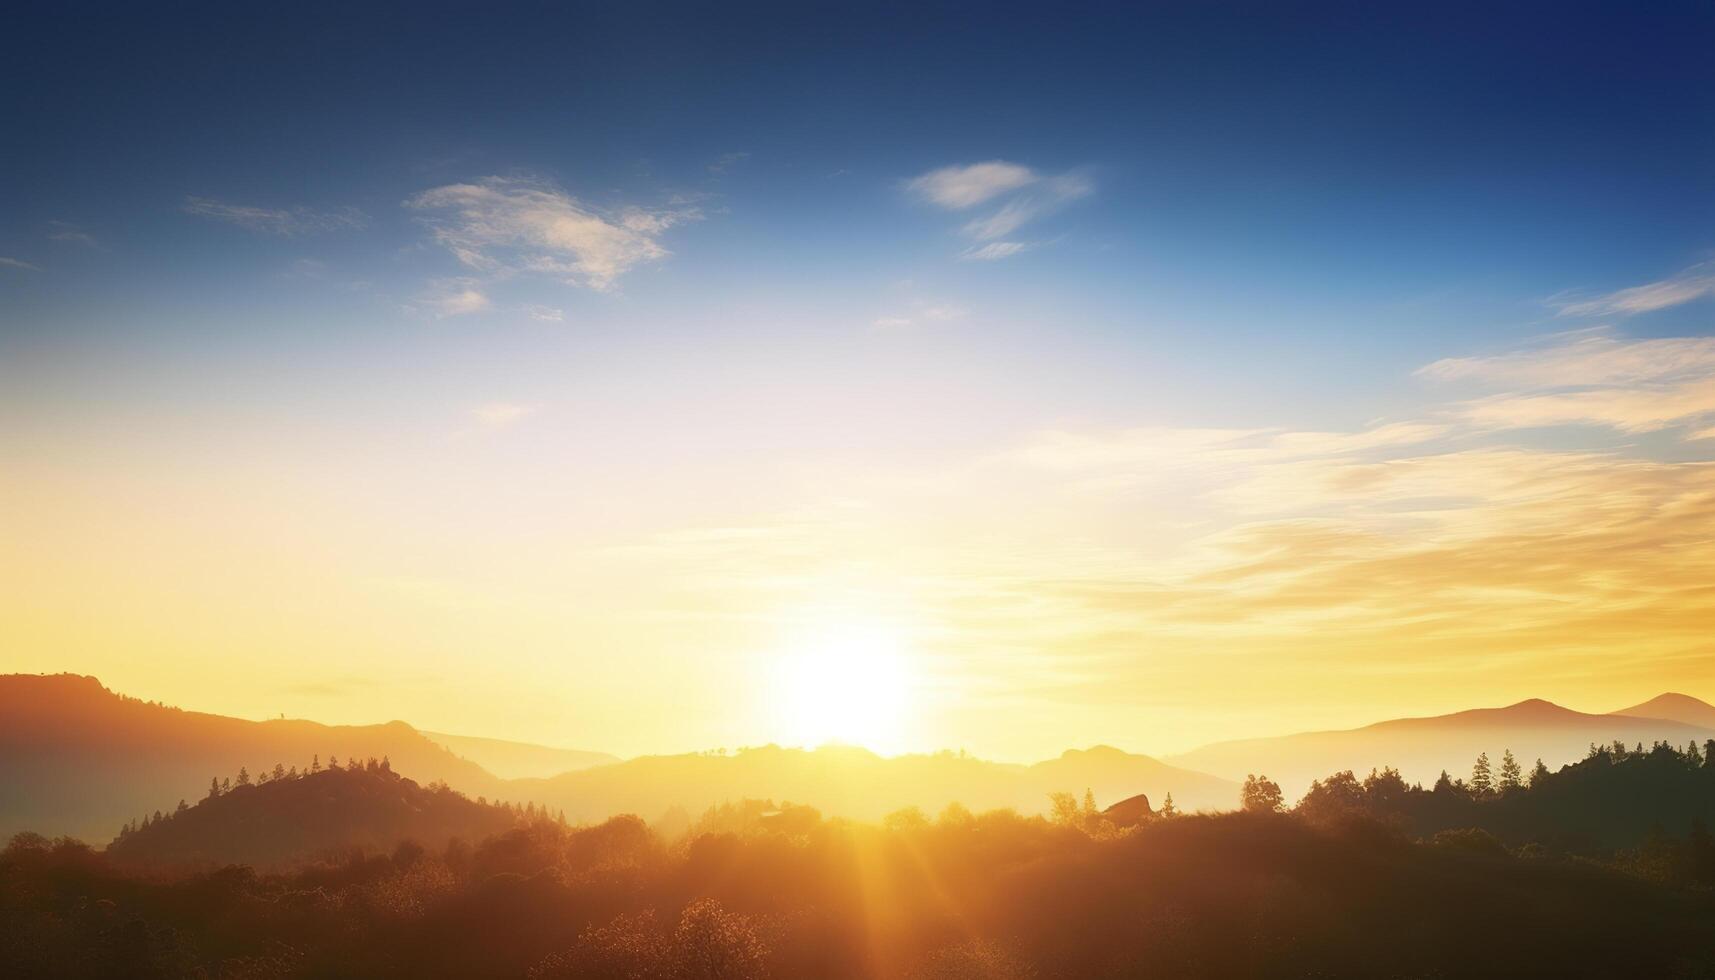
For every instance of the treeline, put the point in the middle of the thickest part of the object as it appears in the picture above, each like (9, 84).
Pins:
(217, 787)
(1608, 805)
(1360, 878)
(961, 895)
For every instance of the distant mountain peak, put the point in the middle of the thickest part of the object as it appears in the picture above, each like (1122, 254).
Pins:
(1673, 706)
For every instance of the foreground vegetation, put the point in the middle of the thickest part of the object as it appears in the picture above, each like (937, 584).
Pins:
(1362, 878)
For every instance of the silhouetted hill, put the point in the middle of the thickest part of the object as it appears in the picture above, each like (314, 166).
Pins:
(76, 758)
(520, 760)
(1421, 747)
(330, 812)
(1674, 707)
(856, 783)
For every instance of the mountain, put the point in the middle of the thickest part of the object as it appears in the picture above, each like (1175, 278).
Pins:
(856, 783)
(1421, 747)
(520, 760)
(329, 812)
(78, 759)
(1674, 707)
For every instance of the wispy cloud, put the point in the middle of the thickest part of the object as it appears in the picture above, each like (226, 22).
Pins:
(286, 222)
(1592, 377)
(727, 161)
(960, 187)
(1023, 196)
(546, 314)
(1692, 284)
(1044, 199)
(453, 297)
(509, 225)
(993, 251)
(11, 263)
(71, 234)
(498, 415)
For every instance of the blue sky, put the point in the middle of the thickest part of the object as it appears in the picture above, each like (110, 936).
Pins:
(577, 279)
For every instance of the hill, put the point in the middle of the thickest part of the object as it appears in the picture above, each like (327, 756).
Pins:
(78, 759)
(1674, 707)
(1421, 747)
(859, 784)
(325, 813)
(520, 760)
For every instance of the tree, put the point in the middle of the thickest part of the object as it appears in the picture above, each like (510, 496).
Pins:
(213, 787)
(1443, 784)
(316, 763)
(1538, 773)
(243, 776)
(1260, 795)
(1482, 780)
(183, 806)
(226, 785)
(1168, 811)
(1063, 809)
(1338, 797)
(279, 772)
(1512, 776)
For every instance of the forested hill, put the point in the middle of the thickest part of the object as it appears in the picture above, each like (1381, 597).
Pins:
(76, 758)
(294, 817)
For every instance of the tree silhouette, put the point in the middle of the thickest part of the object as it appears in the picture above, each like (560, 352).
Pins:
(1168, 811)
(213, 786)
(243, 776)
(1482, 780)
(1260, 795)
(1512, 777)
(1538, 774)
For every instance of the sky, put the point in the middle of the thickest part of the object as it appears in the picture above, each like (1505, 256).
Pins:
(657, 378)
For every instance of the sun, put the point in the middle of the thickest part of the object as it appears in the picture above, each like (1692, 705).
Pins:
(851, 684)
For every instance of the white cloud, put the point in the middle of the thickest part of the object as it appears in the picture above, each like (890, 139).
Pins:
(957, 188)
(1024, 208)
(892, 322)
(71, 234)
(287, 222)
(1590, 377)
(545, 313)
(1023, 196)
(11, 263)
(1694, 283)
(994, 251)
(505, 226)
(498, 415)
(453, 297)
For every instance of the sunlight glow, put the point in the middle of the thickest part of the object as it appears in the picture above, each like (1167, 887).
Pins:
(849, 683)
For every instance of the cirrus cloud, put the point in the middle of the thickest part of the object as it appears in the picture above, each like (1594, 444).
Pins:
(512, 225)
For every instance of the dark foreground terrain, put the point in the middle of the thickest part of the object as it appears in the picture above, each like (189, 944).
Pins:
(1342, 886)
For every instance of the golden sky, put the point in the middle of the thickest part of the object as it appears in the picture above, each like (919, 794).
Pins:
(1543, 524)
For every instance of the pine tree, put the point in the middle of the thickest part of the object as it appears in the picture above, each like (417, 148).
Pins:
(1167, 808)
(1538, 774)
(279, 772)
(243, 776)
(1482, 780)
(226, 785)
(183, 806)
(1444, 784)
(1511, 774)
(213, 787)
(316, 764)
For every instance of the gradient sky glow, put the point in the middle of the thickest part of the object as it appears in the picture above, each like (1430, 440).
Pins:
(1132, 376)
